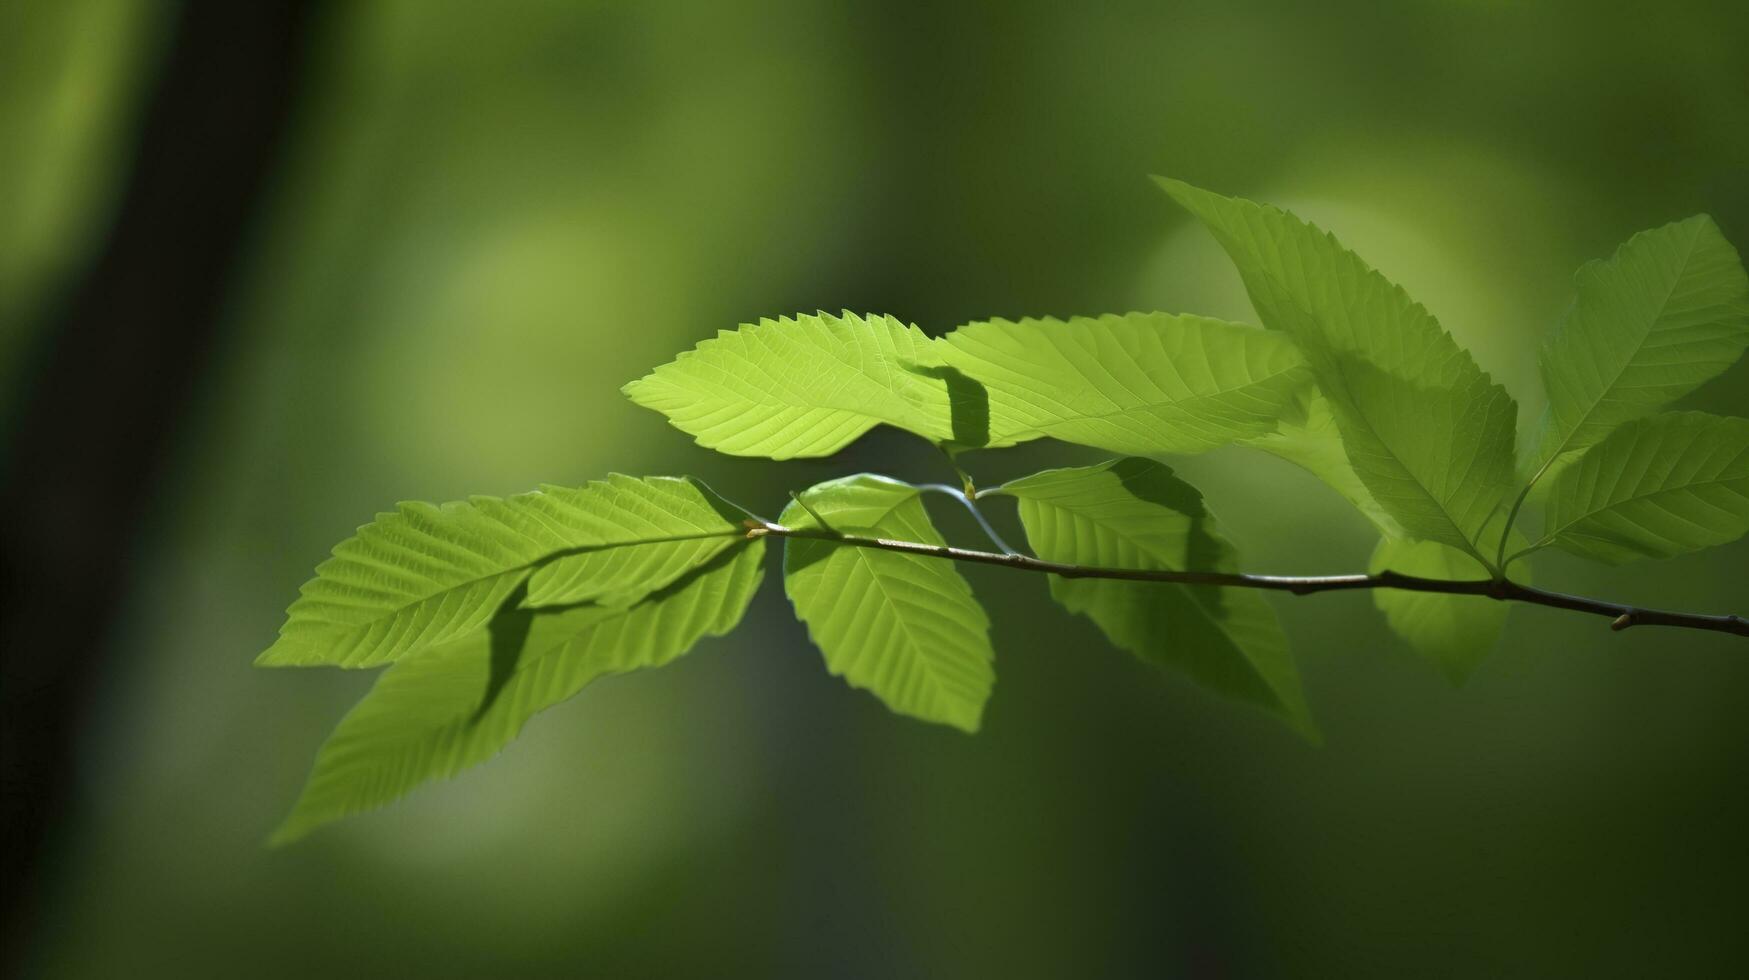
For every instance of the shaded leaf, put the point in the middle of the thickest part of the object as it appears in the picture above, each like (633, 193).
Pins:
(1656, 487)
(426, 574)
(1139, 383)
(1425, 430)
(455, 706)
(1455, 632)
(1134, 513)
(1308, 437)
(1667, 312)
(905, 628)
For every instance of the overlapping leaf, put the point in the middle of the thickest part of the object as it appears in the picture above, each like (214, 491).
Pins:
(426, 574)
(1667, 312)
(1134, 513)
(1656, 487)
(808, 386)
(1455, 632)
(1308, 437)
(431, 716)
(1140, 383)
(1426, 431)
(903, 627)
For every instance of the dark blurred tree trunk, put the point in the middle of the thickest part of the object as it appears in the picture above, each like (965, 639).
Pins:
(106, 386)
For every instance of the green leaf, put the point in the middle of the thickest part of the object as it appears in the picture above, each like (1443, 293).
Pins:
(1456, 633)
(1426, 431)
(1667, 312)
(1140, 383)
(1656, 487)
(426, 574)
(1308, 437)
(1134, 513)
(809, 386)
(905, 628)
(455, 706)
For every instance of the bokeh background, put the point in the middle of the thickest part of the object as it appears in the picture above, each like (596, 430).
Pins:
(482, 219)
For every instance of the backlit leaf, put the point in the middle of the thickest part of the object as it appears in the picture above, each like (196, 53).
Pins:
(1308, 437)
(1140, 383)
(1134, 513)
(1656, 487)
(1425, 430)
(1455, 632)
(903, 627)
(455, 706)
(808, 386)
(1664, 314)
(426, 574)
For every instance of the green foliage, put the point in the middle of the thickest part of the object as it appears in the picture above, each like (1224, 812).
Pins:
(423, 574)
(1138, 383)
(1456, 633)
(491, 610)
(1134, 513)
(1427, 433)
(1667, 312)
(1657, 487)
(903, 627)
(807, 386)
(457, 705)
(1307, 435)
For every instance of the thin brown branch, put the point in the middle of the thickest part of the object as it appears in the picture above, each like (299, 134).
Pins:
(1621, 616)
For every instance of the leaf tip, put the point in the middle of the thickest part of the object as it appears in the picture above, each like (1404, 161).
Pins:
(277, 655)
(283, 836)
(1177, 189)
(968, 718)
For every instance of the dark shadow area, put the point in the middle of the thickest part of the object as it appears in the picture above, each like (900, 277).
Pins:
(510, 625)
(107, 383)
(968, 403)
(1203, 552)
(508, 632)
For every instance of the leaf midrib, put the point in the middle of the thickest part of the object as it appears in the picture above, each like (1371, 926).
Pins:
(1550, 535)
(1639, 345)
(393, 611)
(1190, 597)
(1396, 457)
(867, 559)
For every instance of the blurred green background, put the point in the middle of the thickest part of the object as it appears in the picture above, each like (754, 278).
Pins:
(490, 216)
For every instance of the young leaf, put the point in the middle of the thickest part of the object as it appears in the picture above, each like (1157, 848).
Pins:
(1667, 312)
(455, 706)
(809, 386)
(903, 627)
(1455, 632)
(1134, 513)
(1426, 431)
(1656, 487)
(1139, 383)
(426, 574)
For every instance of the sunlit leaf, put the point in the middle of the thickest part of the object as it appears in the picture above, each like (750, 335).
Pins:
(1656, 487)
(455, 706)
(1664, 314)
(903, 627)
(1140, 383)
(808, 386)
(1134, 513)
(426, 574)
(1425, 430)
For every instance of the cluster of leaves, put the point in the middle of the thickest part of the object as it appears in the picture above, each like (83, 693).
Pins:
(488, 610)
